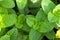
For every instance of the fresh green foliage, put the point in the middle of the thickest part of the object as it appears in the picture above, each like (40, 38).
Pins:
(47, 5)
(21, 3)
(35, 35)
(7, 4)
(29, 20)
(5, 37)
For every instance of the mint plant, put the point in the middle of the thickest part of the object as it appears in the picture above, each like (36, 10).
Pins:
(29, 20)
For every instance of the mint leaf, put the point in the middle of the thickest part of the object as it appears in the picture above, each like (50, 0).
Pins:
(35, 35)
(56, 10)
(3, 10)
(21, 3)
(13, 34)
(7, 4)
(11, 19)
(21, 36)
(50, 35)
(7, 20)
(40, 14)
(3, 31)
(52, 17)
(30, 20)
(21, 21)
(5, 37)
(45, 27)
(47, 6)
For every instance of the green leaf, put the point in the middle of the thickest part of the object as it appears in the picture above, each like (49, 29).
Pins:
(55, 15)
(52, 18)
(7, 4)
(13, 33)
(58, 23)
(41, 16)
(2, 23)
(50, 35)
(42, 27)
(35, 35)
(7, 20)
(21, 3)
(26, 28)
(56, 10)
(21, 36)
(11, 11)
(5, 37)
(24, 37)
(47, 6)
(3, 10)
(32, 22)
(3, 31)
(21, 21)
(45, 27)
(10, 20)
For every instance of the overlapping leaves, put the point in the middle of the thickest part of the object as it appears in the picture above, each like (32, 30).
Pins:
(34, 19)
(21, 21)
(54, 16)
(47, 5)
(41, 26)
(6, 18)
